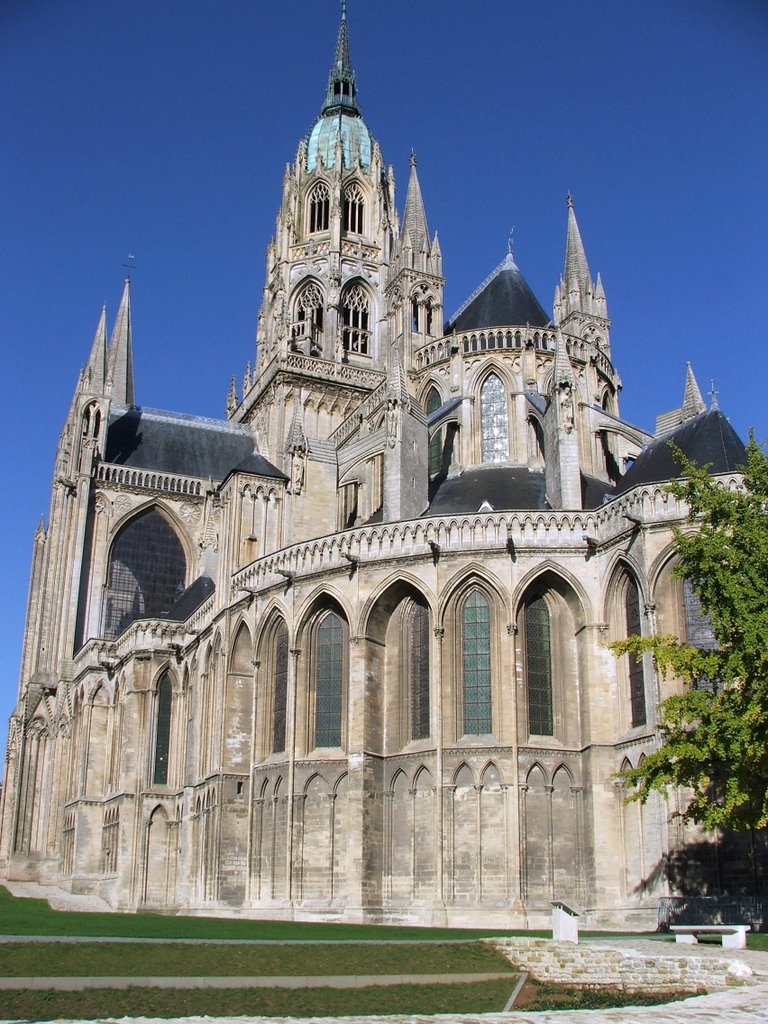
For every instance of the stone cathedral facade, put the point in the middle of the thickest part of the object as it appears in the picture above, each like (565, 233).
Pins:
(343, 653)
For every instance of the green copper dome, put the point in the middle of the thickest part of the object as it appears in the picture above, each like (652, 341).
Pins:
(340, 118)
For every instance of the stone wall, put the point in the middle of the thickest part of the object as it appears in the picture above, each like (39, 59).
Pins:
(592, 966)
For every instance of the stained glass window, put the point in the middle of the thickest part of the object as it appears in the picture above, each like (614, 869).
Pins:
(147, 569)
(436, 441)
(162, 732)
(476, 658)
(538, 663)
(636, 675)
(329, 680)
(418, 669)
(280, 682)
(493, 418)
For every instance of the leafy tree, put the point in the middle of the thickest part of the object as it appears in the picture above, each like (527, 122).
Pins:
(714, 735)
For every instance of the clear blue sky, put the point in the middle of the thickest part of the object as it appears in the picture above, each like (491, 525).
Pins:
(160, 128)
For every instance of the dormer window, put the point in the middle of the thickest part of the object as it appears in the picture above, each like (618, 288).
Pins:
(319, 208)
(354, 206)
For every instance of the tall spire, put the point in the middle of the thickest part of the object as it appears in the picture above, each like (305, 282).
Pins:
(342, 88)
(120, 354)
(415, 217)
(94, 375)
(576, 266)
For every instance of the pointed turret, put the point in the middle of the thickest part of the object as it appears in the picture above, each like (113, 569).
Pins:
(94, 374)
(342, 87)
(415, 217)
(576, 269)
(120, 354)
(693, 405)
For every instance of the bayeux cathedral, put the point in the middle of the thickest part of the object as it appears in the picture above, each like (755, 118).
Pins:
(344, 654)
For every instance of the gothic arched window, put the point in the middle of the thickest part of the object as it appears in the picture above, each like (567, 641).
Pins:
(308, 321)
(434, 401)
(355, 332)
(329, 680)
(146, 574)
(476, 664)
(538, 667)
(354, 208)
(162, 731)
(417, 668)
(635, 673)
(280, 685)
(493, 421)
(319, 208)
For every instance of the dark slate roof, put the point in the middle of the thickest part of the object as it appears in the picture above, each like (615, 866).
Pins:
(444, 410)
(177, 443)
(504, 298)
(189, 600)
(258, 466)
(594, 491)
(503, 487)
(707, 440)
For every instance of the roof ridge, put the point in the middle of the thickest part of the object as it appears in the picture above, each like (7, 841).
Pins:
(507, 263)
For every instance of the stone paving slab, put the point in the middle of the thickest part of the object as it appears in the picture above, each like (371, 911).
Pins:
(71, 983)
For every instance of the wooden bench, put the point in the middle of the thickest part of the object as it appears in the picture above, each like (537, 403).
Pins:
(734, 936)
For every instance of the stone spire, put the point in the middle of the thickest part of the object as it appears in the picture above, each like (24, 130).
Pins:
(94, 374)
(120, 353)
(415, 217)
(693, 405)
(342, 87)
(576, 269)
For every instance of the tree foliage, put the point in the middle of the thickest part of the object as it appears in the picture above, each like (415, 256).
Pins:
(714, 735)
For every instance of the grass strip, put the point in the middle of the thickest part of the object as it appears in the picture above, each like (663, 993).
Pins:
(133, 959)
(90, 1004)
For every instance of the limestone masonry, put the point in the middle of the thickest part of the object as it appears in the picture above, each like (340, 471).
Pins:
(343, 654)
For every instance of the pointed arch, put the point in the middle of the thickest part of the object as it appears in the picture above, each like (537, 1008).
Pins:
(318, 208)
(626, 620)
(146, 573)
(356, 319)
(308, 307)
(162, 736)
(353, 212)
(494, 420)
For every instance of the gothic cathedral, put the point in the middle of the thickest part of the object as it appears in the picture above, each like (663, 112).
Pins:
(343, 654)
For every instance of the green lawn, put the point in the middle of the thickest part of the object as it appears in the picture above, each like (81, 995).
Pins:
(34, 917)
(484, 997)
(117, 959)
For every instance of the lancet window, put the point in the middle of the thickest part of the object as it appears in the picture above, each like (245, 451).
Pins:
(635, 665)
(356, 331)
(162, 731)
(538, 667)
(329, 680)
(146, 574)
(308, 322)
(354, 208)
(476, 664)
(280, 684)
(319, 208)
(493, 420)
(436, 441)
(417, 668)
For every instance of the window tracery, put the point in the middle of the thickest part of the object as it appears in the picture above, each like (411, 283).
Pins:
(308, 322)
(319, 208)
(280, 684)
(354, 209)
(162, 731)
(355, 330)
(146, 574)
(493, 421)
(417, 668)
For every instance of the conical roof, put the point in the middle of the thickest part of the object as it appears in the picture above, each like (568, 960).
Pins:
(706, 440)
(502, 299)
